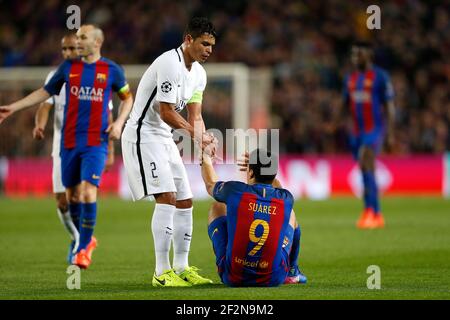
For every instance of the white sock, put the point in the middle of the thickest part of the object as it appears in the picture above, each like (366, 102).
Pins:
(67, 222)
(182, 235)
(162, 229)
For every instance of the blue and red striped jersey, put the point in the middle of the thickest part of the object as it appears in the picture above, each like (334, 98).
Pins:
(88, 90)
(257, 221)
(365, 93)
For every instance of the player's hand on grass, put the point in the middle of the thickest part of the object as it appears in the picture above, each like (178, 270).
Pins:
(114, 130)
(38, 133)
(5, 112)
(243, 162)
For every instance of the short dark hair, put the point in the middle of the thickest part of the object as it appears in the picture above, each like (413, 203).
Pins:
(198, 26)
(264, 165)
(69, 35)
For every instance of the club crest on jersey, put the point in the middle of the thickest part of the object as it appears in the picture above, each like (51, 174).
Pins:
(166, 87)
(368, 83)
(101, 77)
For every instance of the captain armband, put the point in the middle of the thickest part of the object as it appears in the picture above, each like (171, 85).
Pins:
(125, 92)
(197, 97)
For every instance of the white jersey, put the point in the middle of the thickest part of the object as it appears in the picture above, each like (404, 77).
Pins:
(166, 80)
(58, 102)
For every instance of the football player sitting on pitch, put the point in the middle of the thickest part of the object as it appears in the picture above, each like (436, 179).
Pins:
(253, 229)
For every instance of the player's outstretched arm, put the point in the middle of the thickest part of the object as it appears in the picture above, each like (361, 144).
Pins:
(176, 121)
(32, 99)
(115, 128)
(40, 120)
(208, 174)
(195, 119)
(194, 115)
(243, 162)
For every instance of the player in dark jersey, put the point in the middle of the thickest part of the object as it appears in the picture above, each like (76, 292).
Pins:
(369, 94)
(90, 82)
(255, 236)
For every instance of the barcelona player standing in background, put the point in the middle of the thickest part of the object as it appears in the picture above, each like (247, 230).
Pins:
(369, 94)
(90, 82)
(57, 102)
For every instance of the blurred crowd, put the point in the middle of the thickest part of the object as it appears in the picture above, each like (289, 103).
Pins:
(305, 43)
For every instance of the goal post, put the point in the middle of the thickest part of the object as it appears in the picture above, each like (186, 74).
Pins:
(239, 75)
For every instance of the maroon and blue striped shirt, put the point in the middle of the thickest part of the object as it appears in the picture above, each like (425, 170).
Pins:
(257, 223)
(365, 93)
(89, 88)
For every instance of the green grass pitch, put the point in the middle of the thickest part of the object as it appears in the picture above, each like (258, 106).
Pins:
(413, 253)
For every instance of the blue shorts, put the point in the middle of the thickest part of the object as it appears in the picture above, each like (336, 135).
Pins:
(83, 164)
(373, 140)
(218, 233)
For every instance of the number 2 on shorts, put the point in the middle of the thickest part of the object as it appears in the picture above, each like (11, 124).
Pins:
(153, 166)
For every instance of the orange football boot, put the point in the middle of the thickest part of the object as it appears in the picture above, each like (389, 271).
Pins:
(84, 258)
(366, 220)
(378, 221)
(81, 259)
(91, 246)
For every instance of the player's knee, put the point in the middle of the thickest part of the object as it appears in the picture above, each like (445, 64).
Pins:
(74, 198)
(217, 210)
(367, 160)
(73, 194)
(184, 204)
(166, 198)
(88, 193)
(366, 165)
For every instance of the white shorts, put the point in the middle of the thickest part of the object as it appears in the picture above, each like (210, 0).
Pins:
(58, 186)
(157, 168)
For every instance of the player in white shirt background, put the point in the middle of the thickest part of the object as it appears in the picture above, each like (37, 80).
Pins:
(174, 81)
(68, 51)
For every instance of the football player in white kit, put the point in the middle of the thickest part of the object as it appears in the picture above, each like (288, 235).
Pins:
(153, 164)
(69, 51)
